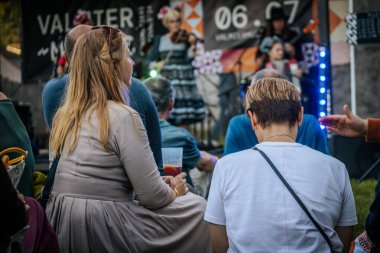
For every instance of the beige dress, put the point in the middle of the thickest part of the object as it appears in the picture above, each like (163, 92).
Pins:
(92, 206)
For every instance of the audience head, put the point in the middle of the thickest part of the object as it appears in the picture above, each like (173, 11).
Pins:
(72, 36)
(265, 73)
(274, 101)
(162, 93)
(100, 65)
(172, 20)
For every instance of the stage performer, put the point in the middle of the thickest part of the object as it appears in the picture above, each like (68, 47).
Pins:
(171, 55)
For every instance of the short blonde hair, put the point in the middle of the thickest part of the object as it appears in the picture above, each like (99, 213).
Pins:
(274, 100)
(171, 14)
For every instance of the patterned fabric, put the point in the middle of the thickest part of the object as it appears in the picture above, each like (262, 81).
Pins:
(362, 244)
(189, 105)
(310, 54)
(207, 62)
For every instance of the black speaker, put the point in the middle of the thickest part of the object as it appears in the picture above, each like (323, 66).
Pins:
(357, 155)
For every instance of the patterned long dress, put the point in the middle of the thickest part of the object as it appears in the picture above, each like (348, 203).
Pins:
(189, 105)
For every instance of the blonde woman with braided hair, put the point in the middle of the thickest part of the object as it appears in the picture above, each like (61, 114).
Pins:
(108, 195)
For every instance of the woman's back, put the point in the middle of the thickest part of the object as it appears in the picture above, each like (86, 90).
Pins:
(260, 213)
(91, 170)
(92, 207)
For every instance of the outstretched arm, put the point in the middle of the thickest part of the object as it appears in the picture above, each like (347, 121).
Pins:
(349, 124)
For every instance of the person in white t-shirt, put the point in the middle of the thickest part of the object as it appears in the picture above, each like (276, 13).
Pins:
(250, 210)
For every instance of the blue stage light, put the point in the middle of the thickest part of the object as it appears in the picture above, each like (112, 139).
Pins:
(323, 127)
(322, 53)
(322, 102)
(322, 78)
(322, 66)
(322, 90)
(322, 114)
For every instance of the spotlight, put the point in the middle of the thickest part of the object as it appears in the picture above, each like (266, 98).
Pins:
(322, 90)
(322, 114)
(322, 53)
(153, 73)
(322, 102)
(322, 66)
(323, 127)
(322, 78)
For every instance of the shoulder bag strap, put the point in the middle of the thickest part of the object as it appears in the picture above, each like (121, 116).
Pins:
(49, 182)
(299, 201)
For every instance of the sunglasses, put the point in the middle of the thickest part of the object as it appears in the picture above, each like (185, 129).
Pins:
(111, 31)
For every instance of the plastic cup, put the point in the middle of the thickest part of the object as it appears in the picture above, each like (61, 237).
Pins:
(172, 161)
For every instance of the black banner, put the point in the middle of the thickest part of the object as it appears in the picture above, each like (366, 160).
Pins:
(45, 24)
(236, 23)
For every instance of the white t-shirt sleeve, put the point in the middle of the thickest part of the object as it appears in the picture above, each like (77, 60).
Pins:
(348, 214)
(215, 207)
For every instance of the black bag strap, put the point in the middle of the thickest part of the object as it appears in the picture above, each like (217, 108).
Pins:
(299, 201)
(49, 182)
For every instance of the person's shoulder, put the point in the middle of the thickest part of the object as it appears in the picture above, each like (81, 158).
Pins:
(56, 84)
(179, 132)
(241, 119)
(322, 158)
(234, 159)
(309, 119)
(119, 111)
(138, 84)
(138, 89)
(62, 80)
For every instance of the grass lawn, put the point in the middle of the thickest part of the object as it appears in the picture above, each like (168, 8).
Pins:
(364, 194)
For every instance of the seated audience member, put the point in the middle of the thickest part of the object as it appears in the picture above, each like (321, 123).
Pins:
(250, 209)
(351, 125)
(14, 134)
(138, 97)
(108, 195)
(16, 212)
(240, 135)
(163, 96)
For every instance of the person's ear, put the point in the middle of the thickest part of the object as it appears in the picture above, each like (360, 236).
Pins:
(253, 118)
(300, 116)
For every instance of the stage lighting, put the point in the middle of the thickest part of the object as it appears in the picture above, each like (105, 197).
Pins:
(322, 114)
(322, 102)
(323, 127)
(322, 78)
(153, 73)
(322, 66)
(322, 90)
(322, 53)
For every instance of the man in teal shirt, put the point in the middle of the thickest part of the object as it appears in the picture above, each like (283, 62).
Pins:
(172, 136)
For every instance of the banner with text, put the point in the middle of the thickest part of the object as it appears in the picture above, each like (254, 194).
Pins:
(237, 23)
(45, 24)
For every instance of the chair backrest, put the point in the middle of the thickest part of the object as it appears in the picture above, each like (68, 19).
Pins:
(16, 241)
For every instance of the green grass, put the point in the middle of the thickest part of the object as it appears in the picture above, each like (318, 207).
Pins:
(364, 194)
